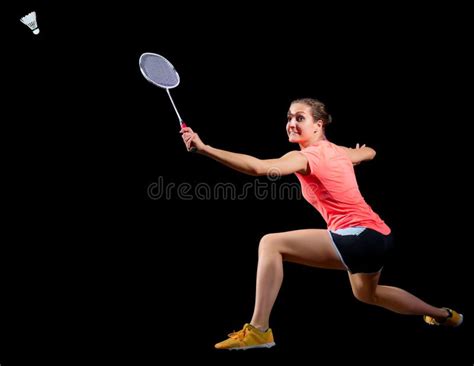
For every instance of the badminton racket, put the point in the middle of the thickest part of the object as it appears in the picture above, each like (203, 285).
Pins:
(160, 72)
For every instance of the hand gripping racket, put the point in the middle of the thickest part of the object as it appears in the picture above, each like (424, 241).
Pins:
(160, 72)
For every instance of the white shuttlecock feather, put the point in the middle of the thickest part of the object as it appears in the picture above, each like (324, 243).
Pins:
(30, 21)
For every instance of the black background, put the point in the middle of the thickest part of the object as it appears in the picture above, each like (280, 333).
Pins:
(96, 271)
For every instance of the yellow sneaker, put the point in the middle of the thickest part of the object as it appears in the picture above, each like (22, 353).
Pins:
(454, 319)
(248, 337)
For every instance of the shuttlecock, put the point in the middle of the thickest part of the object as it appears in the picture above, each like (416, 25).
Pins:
(30, 21)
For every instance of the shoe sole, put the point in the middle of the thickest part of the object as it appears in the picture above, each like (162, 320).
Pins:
(266, 345)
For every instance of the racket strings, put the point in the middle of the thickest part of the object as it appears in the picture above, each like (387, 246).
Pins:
(160, 71)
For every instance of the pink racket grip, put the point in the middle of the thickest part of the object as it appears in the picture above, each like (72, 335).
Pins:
(183, 125)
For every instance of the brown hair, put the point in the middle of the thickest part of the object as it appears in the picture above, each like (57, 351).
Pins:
(318, 109)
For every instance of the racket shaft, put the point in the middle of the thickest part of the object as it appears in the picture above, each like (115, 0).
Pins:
(181, 122)
(175, 109)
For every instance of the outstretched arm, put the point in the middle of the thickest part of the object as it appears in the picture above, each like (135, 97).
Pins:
(359, 154)
(289, 163)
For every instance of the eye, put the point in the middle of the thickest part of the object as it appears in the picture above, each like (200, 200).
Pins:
(299, 118)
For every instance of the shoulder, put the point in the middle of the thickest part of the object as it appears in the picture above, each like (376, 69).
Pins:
(294, 154)
(298, 157)
(296, 161)
(321, 148)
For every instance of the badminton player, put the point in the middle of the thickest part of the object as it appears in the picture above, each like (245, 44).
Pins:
(357, 240)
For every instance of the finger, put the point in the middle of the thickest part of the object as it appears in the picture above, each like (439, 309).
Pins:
(357, 145)
(363, 145)
(187, 135)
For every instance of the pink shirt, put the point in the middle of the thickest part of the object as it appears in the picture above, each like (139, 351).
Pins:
(332, 189)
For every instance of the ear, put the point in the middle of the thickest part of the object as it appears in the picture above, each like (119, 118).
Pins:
(319, 125)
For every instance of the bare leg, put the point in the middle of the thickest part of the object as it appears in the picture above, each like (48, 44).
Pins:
(311, 247)
(366, 289)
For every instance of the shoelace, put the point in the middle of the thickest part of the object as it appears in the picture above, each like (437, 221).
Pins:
(240, 335)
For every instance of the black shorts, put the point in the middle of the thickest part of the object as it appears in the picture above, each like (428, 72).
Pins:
(362, 250)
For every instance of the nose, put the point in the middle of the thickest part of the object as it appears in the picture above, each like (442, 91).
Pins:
(292, 122)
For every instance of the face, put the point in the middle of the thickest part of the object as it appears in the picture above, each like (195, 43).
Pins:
(301, 126)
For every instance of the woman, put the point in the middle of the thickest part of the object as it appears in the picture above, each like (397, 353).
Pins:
(357, 240)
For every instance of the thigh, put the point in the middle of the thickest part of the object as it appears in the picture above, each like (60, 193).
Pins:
(364, 284)
(312, 247)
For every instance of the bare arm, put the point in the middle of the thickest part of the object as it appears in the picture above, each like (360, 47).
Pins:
(359, 154)
(289, 163)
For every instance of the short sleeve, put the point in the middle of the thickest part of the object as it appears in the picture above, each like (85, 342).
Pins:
(313, 154)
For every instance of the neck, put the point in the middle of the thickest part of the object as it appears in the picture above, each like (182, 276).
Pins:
(320, 136)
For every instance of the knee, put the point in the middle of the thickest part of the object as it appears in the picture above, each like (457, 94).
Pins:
(268, 243)
(367, 297)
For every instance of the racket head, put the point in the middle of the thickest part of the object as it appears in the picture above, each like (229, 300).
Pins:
(158, 70)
